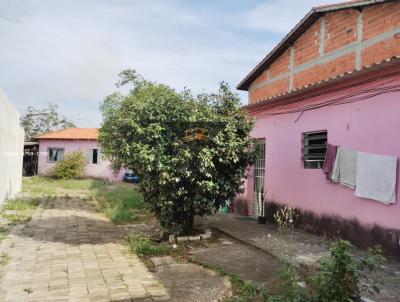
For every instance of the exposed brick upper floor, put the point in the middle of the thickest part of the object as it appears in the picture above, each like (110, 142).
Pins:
(338, 41)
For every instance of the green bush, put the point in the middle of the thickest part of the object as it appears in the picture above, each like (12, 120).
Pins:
(72, 166)
(338, 278)
(342, 277)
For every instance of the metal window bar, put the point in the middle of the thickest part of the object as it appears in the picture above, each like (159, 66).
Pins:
(259, 178)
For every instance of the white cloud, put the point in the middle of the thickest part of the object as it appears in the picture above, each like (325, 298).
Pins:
(279, 15)
(69, 52)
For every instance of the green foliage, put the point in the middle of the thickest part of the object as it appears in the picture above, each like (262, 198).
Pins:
(143, 131)
(20, 204)
(39, 121)
(72, 166)
(120, 203)
(145, 247)
(291, 290)
(341, 277)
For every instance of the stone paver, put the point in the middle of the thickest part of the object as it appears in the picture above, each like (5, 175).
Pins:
(193, 283)
(70, 252)
(250, 264)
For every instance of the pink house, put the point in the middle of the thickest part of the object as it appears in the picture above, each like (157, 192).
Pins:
(335, 78)
(54, 145)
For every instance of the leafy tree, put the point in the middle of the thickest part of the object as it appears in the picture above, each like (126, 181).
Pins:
(39, 121)
(72, 166)
(179, 179)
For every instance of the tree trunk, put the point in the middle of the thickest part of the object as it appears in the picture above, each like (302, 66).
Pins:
(188, 224)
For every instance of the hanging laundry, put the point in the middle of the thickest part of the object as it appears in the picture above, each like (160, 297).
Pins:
(376, 177)
(344, 169)
(330, 157)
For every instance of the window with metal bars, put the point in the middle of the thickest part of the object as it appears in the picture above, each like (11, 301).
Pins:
(314, 149)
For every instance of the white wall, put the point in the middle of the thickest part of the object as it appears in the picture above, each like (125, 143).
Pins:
(11, 149)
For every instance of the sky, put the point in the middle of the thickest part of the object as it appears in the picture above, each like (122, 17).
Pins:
(69, 52)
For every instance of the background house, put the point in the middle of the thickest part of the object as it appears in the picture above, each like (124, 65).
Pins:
(53, 146)
(335, 78)
(11, 149)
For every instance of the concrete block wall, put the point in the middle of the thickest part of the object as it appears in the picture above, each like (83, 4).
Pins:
(11, 149)
(336, 43)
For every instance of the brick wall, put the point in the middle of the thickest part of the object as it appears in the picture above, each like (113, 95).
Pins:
(306, 47)
(338, 42)
(324, 71)
(341, 29)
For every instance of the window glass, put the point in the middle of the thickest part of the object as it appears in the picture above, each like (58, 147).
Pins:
(56, 154)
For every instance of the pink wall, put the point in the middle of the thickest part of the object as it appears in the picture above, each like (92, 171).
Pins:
(371, 125)
(100, 170)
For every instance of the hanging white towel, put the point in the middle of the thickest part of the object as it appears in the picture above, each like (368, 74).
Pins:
(344, 169)
(376, 177)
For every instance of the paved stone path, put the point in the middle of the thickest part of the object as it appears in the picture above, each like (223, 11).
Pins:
(70, 252)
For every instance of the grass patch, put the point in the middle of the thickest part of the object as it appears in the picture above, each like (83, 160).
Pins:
(121, 203)
(21, 204)
(145, 247)
(18, 210)
(39, 186)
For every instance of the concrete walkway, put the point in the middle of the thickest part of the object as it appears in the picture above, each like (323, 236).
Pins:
(70, 252)
(305, 247)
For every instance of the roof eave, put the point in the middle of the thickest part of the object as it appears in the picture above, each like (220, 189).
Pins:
(277, 51)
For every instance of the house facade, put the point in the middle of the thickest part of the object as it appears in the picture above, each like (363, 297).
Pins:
(11, 149)
(53, 146)
(334, 79)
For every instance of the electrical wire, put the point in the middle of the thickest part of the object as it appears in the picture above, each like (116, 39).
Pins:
(359, 95)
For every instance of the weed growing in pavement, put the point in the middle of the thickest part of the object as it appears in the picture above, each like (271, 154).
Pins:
(4, 257)
(145, 247)
(19, 210)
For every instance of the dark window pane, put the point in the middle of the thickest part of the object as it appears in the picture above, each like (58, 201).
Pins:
(94, 159)
(314, 149)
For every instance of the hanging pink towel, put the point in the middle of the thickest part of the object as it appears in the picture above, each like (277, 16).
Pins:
(329, 162)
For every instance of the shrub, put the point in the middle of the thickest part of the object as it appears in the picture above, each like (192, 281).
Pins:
(341, 277)
(72, 166)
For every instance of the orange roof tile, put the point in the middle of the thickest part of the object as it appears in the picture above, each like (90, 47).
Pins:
(72, 133)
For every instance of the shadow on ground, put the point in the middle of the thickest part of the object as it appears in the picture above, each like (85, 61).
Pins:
(75, 222)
